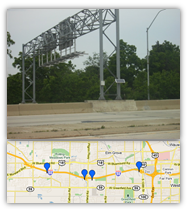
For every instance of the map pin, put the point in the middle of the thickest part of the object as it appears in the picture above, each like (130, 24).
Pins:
(139, 165)
(84, 173)
(47, 166)
(92, 173)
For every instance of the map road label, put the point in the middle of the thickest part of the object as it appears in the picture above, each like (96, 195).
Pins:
(50, 172)
(144, 164)
(118, 173)
(143, 197)
(61, 162)
(30, 189)
(100, 162)
(100, 187)
(155, 155)
(136, 188)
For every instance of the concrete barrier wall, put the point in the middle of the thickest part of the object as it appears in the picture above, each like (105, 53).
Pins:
(91, 106)
(45, 109)
(12, 110)
(112, 105)
(158, 104)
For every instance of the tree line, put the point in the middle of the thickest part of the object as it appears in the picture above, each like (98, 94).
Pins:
(65, 83)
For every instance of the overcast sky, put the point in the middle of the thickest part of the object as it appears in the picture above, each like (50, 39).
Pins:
(26, 24)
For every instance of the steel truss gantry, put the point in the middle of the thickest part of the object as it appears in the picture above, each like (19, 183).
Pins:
(61, 39)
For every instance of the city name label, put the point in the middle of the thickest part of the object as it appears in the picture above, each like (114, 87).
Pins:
(114, 153)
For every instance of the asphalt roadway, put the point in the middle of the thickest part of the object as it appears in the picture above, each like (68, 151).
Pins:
(37, 120)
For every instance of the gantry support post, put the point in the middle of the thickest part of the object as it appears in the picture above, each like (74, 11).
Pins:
(23, 74)
(118, 55)
(101, 55)
(34, 79)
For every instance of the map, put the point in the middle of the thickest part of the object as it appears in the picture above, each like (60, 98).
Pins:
(93, 172)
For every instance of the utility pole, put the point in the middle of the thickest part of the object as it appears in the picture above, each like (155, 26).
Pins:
(148, 96)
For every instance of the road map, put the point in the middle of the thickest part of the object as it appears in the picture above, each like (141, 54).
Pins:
(93, 172)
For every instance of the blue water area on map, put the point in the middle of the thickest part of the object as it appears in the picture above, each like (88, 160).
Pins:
(40, 196)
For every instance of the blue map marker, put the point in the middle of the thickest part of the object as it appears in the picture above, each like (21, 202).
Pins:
(47, 166)
(84, 173)
(92, 174)
(139, 165)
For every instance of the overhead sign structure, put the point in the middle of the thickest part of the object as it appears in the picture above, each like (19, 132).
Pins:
(61, 38)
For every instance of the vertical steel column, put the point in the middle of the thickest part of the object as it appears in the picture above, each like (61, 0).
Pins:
(54, 54)
(23, 74)
(34, 79)
(74, 45)
(101, 55)
(148, 96)
(39, 59)
(118, 55)
(42, 59)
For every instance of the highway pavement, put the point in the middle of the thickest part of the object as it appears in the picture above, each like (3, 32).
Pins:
(38, 120)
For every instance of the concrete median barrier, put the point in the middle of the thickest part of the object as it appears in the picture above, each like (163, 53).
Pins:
(112, 105)
(12, 110)
(35, 109)
(45, 109)
(77, 107)
(158, 104)
(91, 106)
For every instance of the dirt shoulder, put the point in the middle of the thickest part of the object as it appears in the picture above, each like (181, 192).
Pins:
(91, 129)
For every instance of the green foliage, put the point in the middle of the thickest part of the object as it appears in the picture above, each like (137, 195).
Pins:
(130, 63)
(14, 89)
(65, 83)
(95, 60)
(9, 43)
(165, 85)
(164, 71)
(140, 86)
(164, 56)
